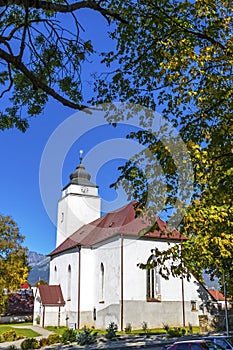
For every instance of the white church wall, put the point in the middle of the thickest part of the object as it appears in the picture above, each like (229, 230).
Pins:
(109, 256)
(74, 211)
(135, 252)
(107, 283)
(87, 282)
(64, 271)
(80, 190)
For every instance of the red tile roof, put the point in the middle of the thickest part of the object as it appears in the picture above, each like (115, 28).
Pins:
(121, 221)
(218, 296)
(51, 295)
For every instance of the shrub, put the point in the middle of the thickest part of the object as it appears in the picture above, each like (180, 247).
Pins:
(9, 335)
(145, 327)
(175, 331)
(166, 327)
(43, 342)
(30, 343)
(37, 319)
(53, 339)
(69, 336)
(12, 347)
(111, 331)
(128, 328)
(190, 329)
(20, 336)
(85, 336)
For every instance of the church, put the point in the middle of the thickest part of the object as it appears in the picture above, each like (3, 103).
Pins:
(94, 273)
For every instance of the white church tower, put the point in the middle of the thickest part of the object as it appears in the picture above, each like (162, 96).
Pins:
(79, 205)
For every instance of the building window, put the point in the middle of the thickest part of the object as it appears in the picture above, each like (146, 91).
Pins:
(101, 294)
(69, 284)
(193, 305)
(153, 282)
(55, 274)
(62, 217)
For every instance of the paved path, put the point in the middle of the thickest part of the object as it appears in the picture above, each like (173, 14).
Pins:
(43, 334)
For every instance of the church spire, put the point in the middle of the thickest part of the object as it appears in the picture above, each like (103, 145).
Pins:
(80, 176)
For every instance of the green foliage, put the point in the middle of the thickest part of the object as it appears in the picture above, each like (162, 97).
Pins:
(13, 258)
(43, 342)
(12, 347)
(20, 336)
(128, 328)
(190, 329)
(175, 331)
(57, 330)
(145, 327)
(41, 56)
(111, 331)
(21, 332)
(69, 336)
(86, 336)
(30, 343)
(9, 335)
(176, 57)
(54, 339)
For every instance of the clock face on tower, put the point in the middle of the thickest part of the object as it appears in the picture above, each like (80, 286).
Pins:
(84, 189)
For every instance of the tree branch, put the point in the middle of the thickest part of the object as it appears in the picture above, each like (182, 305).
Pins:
(39, 84)
(69, 8)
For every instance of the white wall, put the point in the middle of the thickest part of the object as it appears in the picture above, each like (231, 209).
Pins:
(76, 210)
(135, 305)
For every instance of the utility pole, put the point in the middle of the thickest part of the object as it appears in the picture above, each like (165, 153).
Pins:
(226, 306)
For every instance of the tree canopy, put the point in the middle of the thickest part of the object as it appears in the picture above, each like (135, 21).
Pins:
(13, 259)
(176, 57)
(172, 56)
(41, 55)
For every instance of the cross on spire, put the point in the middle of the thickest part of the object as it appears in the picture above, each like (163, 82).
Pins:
(81, 156)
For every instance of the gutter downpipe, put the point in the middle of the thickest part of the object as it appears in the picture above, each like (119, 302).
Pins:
(182, 288)
(79, 285)
(121, 300)
(183, 306)
(43, 316)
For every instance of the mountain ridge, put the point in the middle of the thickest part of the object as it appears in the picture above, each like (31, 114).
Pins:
(39, 267)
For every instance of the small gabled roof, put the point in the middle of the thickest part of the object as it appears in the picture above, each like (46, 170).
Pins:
(122, 221)
(51, 295)
(217, 296)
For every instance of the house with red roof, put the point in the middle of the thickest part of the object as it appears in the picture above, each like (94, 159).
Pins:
(94, 273)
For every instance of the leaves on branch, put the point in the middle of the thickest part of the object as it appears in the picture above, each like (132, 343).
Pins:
(41, 55)
(13, 258)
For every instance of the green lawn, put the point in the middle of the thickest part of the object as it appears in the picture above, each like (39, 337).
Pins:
(24, 331)
(60, 330)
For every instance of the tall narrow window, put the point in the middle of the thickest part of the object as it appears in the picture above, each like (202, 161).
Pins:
(55, 275)
(101, 283)
(153, 282)
(69, 284)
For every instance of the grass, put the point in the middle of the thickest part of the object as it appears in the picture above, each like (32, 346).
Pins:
(57, 330)
(60, 330)
(27, 332)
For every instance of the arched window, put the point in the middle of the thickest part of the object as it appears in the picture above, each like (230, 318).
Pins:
(69, 283)
(153, 282)
(101, 294)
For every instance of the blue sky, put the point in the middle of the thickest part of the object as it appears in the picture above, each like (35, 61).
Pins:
(20, 187)
(21, 156)
(32, 202)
